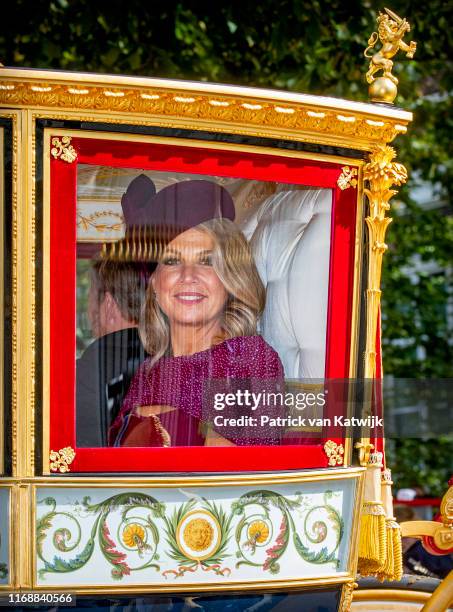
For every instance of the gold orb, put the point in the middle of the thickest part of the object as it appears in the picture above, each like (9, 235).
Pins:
(383, 89)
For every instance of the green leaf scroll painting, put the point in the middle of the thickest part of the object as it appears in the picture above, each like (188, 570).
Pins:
(136, 533)
(255, 530)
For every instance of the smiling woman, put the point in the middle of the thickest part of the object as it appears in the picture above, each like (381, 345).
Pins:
(202, 307)
(187, 290)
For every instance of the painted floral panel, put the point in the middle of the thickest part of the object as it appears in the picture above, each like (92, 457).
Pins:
(100, 536)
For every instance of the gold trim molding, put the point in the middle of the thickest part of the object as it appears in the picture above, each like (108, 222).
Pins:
(390, 595)
(347, 596)
(208, 481)
(15, 285)
(61, 460)
(442, 597)
(333, 121)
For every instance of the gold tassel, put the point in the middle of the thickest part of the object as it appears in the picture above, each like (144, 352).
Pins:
(372, 538)
(393, 566)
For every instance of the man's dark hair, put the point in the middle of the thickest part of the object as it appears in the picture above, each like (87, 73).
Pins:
(126, 281)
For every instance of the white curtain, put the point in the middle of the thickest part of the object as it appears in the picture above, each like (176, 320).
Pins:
(290, 237)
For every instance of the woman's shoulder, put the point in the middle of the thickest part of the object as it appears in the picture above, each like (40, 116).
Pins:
(247, 343)
(144, 371)
(252, 353)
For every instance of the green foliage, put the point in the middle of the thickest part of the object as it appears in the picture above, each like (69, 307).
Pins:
(420, 464)
(314, 47)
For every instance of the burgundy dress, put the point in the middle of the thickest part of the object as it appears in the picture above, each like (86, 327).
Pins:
(184, 384)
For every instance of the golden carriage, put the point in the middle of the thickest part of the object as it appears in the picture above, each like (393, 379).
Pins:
(222, 525)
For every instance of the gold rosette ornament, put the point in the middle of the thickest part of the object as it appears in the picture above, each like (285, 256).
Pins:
(59, 461)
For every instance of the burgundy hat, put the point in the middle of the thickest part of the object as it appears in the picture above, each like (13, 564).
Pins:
(188, 203)
(136, 201)
(155, 219)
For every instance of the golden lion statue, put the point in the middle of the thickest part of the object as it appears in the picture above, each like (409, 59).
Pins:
(391, 30)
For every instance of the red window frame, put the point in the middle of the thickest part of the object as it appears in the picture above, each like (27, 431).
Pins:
(206, 161)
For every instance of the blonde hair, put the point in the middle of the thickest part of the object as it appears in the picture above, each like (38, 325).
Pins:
(234, 264)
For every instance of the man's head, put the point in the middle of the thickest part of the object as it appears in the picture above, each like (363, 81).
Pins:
(116, 295)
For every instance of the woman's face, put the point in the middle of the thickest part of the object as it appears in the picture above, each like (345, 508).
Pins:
(187, 287)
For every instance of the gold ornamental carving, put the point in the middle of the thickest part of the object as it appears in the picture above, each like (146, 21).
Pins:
(440, 531)
(198, 534)
(227, 111)
(391, 31)
(347, 178)
(443, 536)
(364, 449)
(382, 173)
(347, 596)
(446, 506)
(334, 452)
(61, 460)
(63, 149)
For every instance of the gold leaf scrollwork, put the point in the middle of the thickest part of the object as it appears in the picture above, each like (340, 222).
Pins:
(347, 596)
(335, 452)
(346, 178)
(63, 149)
(61, 460)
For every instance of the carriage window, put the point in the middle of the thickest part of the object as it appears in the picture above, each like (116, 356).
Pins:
(193, 289)
(196, 296)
